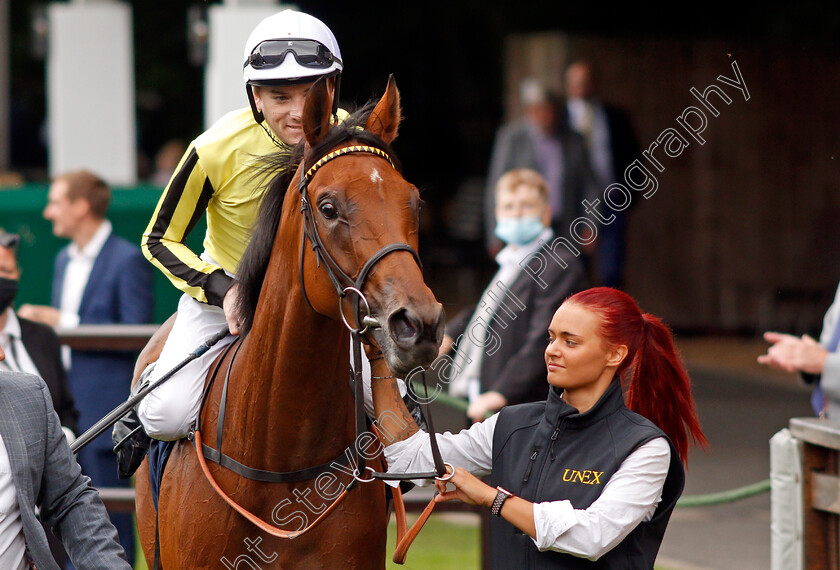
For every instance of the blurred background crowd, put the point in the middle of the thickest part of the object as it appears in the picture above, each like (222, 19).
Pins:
(731, 113)
(737, 235)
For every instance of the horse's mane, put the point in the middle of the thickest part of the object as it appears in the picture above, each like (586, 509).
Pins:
(284, 162)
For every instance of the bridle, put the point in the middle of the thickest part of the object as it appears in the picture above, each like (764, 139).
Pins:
(343, 284)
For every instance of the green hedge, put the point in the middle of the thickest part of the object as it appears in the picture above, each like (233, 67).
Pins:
(131, 209)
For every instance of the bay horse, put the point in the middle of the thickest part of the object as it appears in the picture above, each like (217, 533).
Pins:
(288, 406)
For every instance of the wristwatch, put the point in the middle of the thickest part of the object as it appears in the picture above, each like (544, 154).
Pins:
(502, 495)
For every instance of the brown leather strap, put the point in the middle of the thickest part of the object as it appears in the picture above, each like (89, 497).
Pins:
(405, 536)
(399, 512)
(262, 525)
(404, 539)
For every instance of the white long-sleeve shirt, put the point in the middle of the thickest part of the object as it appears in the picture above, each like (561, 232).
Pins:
(629, 497)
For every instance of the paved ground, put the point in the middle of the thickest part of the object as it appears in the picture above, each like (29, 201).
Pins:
(741, 405)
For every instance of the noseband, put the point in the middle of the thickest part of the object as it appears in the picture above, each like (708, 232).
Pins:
(342, 282)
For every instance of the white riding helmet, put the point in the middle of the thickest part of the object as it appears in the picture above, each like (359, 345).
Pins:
(290, 47)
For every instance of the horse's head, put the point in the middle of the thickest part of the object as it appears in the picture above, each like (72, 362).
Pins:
(363, 220)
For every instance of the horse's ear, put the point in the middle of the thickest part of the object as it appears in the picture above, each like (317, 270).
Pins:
(384, 121)
(317, 111)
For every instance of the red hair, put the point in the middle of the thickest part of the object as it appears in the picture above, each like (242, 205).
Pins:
(659, 388)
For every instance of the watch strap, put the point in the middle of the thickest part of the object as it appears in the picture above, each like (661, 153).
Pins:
(502, 495)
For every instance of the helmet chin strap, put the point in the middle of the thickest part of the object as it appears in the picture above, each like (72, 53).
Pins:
(258, 115)
(260, 118)
(336, 96)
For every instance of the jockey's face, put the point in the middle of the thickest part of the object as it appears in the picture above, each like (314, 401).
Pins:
(282, 106)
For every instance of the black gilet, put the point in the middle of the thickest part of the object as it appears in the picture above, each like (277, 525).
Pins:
(547, 451)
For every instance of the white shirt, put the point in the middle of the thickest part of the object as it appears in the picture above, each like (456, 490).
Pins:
(629, 497)
(17, 358)
(77, 273)
(590, 120)
(12, 542)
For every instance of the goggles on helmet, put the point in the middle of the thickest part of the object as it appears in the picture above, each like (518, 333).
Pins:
(308, 53)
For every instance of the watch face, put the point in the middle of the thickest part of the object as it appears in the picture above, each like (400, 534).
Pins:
(505, 491)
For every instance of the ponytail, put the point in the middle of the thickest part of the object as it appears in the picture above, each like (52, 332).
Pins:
(659, 388)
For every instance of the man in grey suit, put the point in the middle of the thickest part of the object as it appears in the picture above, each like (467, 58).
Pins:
(542, 141)
(37, 469)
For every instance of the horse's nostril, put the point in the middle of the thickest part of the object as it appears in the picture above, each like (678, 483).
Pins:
(403, 328)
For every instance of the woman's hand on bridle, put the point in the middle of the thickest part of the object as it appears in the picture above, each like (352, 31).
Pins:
(468, 489)
(373, 352)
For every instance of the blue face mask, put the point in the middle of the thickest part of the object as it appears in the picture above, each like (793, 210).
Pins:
(519, 231)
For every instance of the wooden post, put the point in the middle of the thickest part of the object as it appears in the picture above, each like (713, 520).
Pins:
(821, 491)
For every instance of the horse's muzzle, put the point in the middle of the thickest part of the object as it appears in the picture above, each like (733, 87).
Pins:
(415, 338)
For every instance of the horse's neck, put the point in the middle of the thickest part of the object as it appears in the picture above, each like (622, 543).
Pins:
(295, 366)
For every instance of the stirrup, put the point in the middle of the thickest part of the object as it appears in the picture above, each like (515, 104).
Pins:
(131, 443)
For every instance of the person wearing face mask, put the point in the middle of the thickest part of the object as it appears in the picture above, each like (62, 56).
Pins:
(497, 349)
(30, 346)
(542, 141)
(33, 348)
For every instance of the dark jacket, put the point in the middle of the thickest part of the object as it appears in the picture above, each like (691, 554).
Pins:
(118, 291)
(44, 348)
(517, 369)
(534, 445)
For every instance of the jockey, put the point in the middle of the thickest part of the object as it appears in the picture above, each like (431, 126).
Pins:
(220, 174)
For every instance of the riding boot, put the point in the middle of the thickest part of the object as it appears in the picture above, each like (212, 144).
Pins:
(130, 439)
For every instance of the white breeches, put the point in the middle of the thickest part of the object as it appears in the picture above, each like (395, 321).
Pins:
(168, 411)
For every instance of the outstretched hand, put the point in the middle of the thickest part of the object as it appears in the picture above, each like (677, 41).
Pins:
(789, 353)
(41, 314)
(491, 401)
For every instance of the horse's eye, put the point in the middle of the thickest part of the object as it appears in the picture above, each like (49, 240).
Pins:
(328, 210)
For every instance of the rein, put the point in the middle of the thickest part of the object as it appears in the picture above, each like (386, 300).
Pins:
(343, 285)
